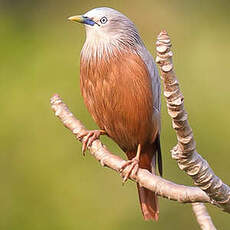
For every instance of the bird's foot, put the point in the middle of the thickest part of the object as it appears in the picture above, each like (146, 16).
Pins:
(89, 137)
(132, 167)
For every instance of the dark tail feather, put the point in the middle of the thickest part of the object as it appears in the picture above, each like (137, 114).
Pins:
(149, 203)
(159, 156)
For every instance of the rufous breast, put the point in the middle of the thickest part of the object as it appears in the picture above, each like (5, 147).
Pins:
(118, 94)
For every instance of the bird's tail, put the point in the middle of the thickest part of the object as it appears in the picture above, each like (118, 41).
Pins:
(148, 199)
(149, 203)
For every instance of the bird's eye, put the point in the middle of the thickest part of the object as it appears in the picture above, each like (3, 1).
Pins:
(103, 20)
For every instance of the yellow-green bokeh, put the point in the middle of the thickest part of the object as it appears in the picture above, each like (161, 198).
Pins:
(45, 182)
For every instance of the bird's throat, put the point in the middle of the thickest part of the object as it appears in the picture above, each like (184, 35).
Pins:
(104, 48)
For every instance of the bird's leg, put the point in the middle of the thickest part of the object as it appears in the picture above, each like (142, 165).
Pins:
(89, 137)
(133, 165)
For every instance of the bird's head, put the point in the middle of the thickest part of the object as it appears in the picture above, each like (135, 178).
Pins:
(106, 25)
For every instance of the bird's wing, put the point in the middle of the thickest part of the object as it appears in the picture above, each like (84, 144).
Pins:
(153, 72)
(156, 91)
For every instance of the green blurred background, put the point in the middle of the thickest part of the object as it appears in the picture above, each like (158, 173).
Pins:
(45, 182)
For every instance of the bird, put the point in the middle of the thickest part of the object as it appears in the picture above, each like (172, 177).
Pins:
(121, 89)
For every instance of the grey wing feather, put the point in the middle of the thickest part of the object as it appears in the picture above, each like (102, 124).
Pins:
(153, 72)
(156, 91)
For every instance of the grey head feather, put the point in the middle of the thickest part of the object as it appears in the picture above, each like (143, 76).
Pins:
(118, 33)
(118, 24)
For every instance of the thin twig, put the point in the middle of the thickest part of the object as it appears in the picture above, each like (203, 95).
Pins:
(202, 216)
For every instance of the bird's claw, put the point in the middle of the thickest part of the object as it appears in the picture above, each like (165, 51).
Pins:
(88, 137)
(132, 168)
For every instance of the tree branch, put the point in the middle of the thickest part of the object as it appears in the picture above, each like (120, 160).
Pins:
(185, 151)
(202, 216)
(155, 183)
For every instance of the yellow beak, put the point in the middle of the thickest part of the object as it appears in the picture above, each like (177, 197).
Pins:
(77, 18)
